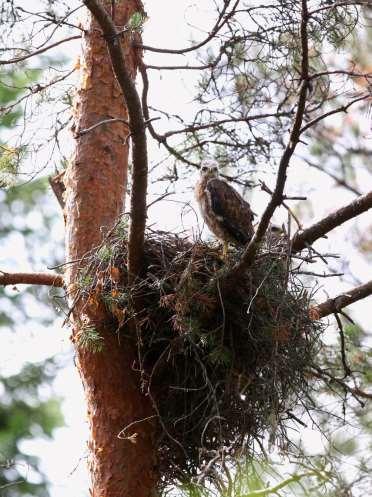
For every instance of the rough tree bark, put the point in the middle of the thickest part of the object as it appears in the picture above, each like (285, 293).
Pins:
(95, 184)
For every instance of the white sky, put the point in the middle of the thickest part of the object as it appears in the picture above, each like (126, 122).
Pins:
(170, 23)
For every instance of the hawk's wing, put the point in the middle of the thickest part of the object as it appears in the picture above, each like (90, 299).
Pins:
(231, 210)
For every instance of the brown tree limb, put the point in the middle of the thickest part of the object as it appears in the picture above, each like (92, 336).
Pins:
(138, 135)
(321, 228)
(47, 279)
(277, 196)
(335, 304)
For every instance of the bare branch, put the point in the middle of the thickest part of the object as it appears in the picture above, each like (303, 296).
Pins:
(38, 52)
(138, 134)
(108, 121)
(176, 68)
(326, 376)
(52, 19)
(346, 3)
(266, 189)
(321, 228)
(223, 18)
(353, 74)
(35, 89)
(47, 279)
(339, 181)
(82, 132)
(335, 304)
(197, 127)
(343, 108)
(277, 196)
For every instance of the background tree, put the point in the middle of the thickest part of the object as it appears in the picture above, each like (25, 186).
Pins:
(24, 413)
(267, 86)
(21, 419)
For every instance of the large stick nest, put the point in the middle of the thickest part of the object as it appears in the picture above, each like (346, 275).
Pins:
(224, 362)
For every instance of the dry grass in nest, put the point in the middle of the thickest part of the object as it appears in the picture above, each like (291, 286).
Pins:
(223, 364)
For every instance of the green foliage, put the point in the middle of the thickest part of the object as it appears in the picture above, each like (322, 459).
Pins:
(262, 478)
(121, 228)
(85, 280)
(137, 21)
(23, 416)
(115, 299)
(221, 356)
(105, 253)
(12, 85)
(90, 339)
(26, 411)
(10, 161)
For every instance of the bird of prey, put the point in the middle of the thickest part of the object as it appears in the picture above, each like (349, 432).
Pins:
(225, 212)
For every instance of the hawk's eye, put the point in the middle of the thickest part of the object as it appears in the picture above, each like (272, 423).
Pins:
(215, 169)
(204, 169)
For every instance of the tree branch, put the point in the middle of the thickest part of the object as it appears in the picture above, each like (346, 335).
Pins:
(335, 304)
(192, 128)
(277, 196)
(111, 120)
(321, 228)
(47, 279)
(343, 108)
(138, 135)
(58, 186)
(38, 52)
(223, 18)
(327, 377)
(341, 4)
(340, 181)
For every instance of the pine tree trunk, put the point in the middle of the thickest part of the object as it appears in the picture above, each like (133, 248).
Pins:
(95, 189)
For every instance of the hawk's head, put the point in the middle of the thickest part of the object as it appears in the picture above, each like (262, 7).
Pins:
(209, 170)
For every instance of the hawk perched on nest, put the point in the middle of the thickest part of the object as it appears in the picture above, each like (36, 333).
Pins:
(225, 212)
